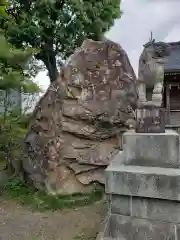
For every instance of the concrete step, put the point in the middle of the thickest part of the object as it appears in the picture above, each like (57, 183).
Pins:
(140, 181)
(129, 228)
(152, 149)
(147, 208)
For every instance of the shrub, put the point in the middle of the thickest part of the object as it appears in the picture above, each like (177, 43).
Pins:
(12, 133)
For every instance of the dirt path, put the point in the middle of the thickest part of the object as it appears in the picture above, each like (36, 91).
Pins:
(19, 223)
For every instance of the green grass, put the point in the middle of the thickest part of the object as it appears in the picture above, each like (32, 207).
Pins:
(26, 195)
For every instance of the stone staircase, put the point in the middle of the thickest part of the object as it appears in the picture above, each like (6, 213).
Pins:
(144, 184)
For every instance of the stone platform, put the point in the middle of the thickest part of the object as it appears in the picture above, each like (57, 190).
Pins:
(152, 149)
(144, 184)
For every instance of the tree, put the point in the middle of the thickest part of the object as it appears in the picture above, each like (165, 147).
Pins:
(13, 63)
(13, 79)
(57, 27)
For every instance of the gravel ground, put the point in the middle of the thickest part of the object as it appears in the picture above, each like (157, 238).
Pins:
(20, 223)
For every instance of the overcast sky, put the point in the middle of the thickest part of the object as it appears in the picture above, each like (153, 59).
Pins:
(140, 17)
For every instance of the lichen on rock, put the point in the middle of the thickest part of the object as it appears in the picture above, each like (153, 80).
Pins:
(77, 125)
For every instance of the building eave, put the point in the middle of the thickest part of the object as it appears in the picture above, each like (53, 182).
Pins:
(172, 72)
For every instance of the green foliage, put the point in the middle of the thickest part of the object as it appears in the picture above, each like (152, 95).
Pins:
(13, 132)
(29, 196)
(12, 68)
(3, 5)
(57, 27)
(13, 79)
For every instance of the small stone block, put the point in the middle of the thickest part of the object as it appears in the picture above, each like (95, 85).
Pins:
(152, 182)
(155, 209)
(128, 228)
(148, 208)
(152, 149)
(120, 205)
(178, 231)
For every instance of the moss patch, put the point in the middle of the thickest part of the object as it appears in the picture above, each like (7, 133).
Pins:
(26, 195)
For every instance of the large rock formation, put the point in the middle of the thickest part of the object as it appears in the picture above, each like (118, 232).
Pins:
(77, 125)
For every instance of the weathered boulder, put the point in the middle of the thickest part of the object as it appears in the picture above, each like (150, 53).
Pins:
(77, 125)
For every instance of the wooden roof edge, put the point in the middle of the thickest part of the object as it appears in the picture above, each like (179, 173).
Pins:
(171, 71)
(174, 43)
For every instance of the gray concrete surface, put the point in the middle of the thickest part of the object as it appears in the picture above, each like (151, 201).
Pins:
(153, 182)
(128, 228)
(152, 149)
(148, 208)
(144, 184)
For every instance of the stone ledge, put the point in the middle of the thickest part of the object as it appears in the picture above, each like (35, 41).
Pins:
(152, 182)
(148, 208)
(128, 228)
(152, 149)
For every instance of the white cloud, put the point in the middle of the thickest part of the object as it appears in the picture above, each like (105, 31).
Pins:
(133, 29)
